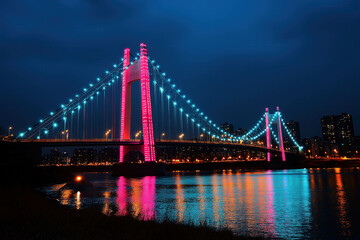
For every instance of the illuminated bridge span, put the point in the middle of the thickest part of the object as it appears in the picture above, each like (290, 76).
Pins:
(103, 113)
(133, 142)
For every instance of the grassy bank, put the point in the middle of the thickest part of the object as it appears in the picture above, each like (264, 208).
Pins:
(28, 214)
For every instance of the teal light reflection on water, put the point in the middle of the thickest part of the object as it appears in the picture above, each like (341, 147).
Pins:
(291, 204)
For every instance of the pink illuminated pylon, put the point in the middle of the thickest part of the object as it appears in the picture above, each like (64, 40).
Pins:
(148, 133)
(268, 140)
(281, 142)
(125, 104)
(138, 70)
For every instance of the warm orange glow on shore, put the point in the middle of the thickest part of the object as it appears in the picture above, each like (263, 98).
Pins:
(78, 178)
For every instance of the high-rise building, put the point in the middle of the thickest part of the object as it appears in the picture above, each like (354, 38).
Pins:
(331, 146)
(227, 127)
(294, 128)
(346, 134)
(313, 147)
(338, 135)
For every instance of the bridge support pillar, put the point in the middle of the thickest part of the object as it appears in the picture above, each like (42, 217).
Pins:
(125, 105)
(138, 70)
(268, 139)
(281, 142)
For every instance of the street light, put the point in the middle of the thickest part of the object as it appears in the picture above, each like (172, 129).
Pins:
(162, 135)
(137, 134)
(67, 134)
(181, 136)
(46, 131)
(201, 136)
(106, 134)
(9, 131)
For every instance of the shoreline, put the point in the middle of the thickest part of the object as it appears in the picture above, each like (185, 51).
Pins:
(42, 175)
(235, 165)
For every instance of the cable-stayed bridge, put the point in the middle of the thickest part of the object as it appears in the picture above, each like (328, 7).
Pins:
(106, 113)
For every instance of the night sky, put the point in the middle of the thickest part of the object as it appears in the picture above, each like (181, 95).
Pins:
(233, 58)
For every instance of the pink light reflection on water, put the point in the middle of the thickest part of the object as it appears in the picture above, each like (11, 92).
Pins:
(121, 196)
(270, 210)
(142, 197)
(148, 198)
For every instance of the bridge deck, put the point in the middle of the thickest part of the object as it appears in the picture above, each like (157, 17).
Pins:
(118, 142)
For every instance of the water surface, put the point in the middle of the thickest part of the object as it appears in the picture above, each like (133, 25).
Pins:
(296, 204)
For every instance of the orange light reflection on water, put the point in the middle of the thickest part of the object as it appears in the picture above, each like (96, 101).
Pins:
(201, 192)
(106, 210)
(136, 186)
(78, 200)
(229, 199)
(345, 223)
(217, 205)
(65, 196)
(179, 199)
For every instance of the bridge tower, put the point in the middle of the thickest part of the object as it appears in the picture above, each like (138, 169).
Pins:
(138, 70)
(268, 139)
(281, 142)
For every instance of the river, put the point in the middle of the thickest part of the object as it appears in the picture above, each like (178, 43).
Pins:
(285, 204)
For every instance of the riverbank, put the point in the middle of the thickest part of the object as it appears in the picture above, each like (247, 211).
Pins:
(61, 173)
(42, 175)
(28, 214)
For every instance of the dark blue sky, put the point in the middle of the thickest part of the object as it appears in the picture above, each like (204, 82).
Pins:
(233, 58)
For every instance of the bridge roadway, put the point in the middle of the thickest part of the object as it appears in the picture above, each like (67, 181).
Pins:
(117, 142)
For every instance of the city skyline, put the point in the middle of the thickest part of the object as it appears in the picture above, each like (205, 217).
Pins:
(307, 64)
